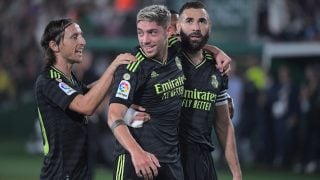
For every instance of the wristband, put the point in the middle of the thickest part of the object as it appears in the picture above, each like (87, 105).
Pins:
(116, 123)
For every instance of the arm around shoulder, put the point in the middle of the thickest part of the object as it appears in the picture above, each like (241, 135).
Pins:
(222, 59)
(88, 103)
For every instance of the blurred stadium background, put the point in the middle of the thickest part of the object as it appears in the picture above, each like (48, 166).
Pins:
(275, 83)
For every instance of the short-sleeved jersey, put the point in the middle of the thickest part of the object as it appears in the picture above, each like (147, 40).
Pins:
(64, 131)
(158, 87)
(204, 88)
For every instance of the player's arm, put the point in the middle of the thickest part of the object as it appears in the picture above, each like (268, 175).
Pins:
(87, 104)
(145, 164)
(226, 136)
(89, 86)
(230, 105)
(223, 60)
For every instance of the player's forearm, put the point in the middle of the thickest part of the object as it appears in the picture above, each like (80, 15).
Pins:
(89, 86)
(226, 136)
(121, 132)
(214, 49)
(125, 138)
(231, 153)
(222, 59)
(97, 92)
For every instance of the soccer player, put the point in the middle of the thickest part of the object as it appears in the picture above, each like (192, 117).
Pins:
(155, 82)
(204, 102)
(218, 53)
(64, 102)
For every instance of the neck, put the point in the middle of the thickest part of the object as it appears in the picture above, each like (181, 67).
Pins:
(162, 57)
(65, 68)
(196, 57)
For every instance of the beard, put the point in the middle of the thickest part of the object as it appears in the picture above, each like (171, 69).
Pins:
(191, 45)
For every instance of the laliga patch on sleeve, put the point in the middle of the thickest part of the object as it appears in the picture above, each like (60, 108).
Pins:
(66, 88)
(123, 89)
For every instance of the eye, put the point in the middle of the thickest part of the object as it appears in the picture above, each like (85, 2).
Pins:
(74, 37)
(189, 21)
(77, 36)
(140, 33)
(203, 21)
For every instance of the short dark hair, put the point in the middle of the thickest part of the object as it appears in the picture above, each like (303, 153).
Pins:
(54, 31)
(192, 4)
(173, 11)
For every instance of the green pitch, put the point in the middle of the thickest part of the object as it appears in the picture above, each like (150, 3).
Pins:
(16, 164)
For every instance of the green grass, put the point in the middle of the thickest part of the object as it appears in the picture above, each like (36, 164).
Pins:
(16, 164)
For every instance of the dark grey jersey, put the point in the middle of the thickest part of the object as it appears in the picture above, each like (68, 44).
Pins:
(158, 87)
(205, 87)
(64, 131)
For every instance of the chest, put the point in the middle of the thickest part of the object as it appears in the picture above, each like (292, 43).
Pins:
(164, 81)
(205, 77)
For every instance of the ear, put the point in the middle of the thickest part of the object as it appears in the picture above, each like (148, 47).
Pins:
(178, 25)
(167, 31)
(170, 29)
(54, 46)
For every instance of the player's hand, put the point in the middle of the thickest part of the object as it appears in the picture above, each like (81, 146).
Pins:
(222, 59)
(141, 114)
(125, 58)
(223, 62)
(145, 164)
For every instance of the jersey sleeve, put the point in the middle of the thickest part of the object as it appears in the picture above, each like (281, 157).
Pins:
(174, 45)
(128, 79)
(59, 92)
(222, 97)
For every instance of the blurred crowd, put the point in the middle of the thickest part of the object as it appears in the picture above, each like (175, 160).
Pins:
(277, 118)
(289, 20)
(22, 23)
(277, 115)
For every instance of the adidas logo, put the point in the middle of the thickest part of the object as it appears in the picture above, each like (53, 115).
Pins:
(154, 74)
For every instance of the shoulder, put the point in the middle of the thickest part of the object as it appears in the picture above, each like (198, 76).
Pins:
(44, 76)
(174, 45)
(172, 41)
(49, 78)
(141, 59)
(209, 56)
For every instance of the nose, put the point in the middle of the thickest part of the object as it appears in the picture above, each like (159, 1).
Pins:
(196, 27)
(145, 39)
(82, 40)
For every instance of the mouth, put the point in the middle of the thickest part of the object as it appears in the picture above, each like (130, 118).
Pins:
(79, 51)
(195, 37)
(149, 48)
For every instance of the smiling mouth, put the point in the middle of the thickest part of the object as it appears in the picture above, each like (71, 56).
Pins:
(149, 48)
(79, 51)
